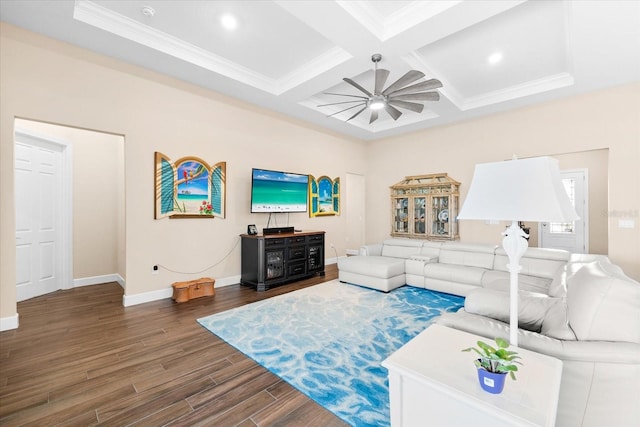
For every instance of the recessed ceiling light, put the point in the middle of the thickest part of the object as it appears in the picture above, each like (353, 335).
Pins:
(229, 21)
(148, 11)
(494, 58)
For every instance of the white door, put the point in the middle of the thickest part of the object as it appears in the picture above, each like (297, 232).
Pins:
(40, 236)
(354, 204)
(571, 236)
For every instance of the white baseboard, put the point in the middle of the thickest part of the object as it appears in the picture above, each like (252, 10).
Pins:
(8, 323)
(98, 280)
(121, 281)
(129, 300)
(330, 261)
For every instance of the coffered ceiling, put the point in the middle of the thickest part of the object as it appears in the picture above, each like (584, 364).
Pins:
(286, 55)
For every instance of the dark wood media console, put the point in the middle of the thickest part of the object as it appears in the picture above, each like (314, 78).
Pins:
(272, 260)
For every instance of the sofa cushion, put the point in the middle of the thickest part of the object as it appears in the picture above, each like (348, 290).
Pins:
(401, 248)
(535, 261)
(376, 266)
(454, 273)
(467, 254)
(558, 286)
(501, 280)
(496, 305)
(603, 304)
(556, 322)
(430, 249)
(415, 264)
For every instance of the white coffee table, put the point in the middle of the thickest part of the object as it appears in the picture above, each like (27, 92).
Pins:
(433, 383)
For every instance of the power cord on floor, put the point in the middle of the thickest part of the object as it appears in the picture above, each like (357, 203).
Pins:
(205, 269)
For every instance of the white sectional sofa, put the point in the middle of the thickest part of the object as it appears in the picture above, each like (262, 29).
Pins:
(451, 267)
(581, 309)
(380, 266)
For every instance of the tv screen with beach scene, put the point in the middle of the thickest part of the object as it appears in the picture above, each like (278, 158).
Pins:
(274, 191)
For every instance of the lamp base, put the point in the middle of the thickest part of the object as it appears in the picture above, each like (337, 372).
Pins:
(515, 245)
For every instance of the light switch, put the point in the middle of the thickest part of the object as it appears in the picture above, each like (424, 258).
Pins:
(626, 223)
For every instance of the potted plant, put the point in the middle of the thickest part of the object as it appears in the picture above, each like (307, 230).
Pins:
(494, 364)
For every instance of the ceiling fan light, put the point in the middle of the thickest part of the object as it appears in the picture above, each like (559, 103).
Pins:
(376, 105)
(377, 102)
(398, 94)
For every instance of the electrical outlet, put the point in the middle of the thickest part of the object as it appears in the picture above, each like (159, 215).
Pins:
(155, 269)
(331, 246)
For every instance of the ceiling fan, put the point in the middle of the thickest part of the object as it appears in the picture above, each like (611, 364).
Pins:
(398, 94)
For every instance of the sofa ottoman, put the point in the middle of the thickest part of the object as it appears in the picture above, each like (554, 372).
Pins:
(377, 272)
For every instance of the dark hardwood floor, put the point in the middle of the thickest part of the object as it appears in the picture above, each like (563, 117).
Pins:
(80, 358)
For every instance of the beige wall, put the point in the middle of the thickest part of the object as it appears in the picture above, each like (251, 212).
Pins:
(98, 197)
(46, 80)
(569, 129)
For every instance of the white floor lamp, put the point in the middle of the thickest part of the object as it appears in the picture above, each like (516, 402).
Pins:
(517, 190)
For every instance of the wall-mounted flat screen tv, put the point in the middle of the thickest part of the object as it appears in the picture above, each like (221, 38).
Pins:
(273, 191)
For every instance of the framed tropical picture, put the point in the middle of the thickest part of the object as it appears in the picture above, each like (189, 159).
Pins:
(324, 196)
(189, 188)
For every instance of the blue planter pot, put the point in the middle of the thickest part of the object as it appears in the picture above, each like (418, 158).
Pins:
(491, 382)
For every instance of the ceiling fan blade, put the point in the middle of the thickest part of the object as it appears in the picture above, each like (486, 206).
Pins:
(413, 106)
(381, 79)
(410, 77)
(428, 85)
(356, 85)
(422, 96)
(393, 112)
(338, 103)
(363, 108)
(374, 116)
(344, 94)
(349, 108)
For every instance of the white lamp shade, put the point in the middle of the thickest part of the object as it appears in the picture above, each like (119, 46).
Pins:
(518, 190)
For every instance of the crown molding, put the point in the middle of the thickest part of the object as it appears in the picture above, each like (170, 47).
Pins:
(529, 88)
(399, 21)
(104, 18)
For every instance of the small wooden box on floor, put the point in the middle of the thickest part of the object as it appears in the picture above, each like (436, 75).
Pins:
(185, 291)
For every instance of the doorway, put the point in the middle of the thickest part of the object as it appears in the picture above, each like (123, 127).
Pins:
(571, 236)
(355, 209)
(43, 214)
(73, 204)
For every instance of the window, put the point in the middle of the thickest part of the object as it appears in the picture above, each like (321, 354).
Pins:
(566, 227)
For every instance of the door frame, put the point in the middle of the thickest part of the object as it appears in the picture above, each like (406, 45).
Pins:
(27, 136)
(354, 210)
(585, 210)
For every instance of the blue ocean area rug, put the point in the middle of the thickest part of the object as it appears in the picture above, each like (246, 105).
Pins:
(329, 340)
